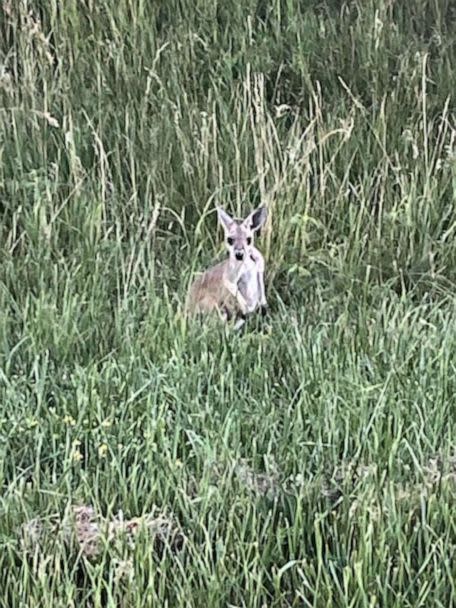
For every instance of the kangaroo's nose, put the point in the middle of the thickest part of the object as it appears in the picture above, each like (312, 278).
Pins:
(239, 255)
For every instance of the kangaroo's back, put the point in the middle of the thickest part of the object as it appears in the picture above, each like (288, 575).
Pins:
(208, 292)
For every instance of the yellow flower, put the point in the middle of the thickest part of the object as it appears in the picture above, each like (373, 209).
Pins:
(77, 456)
(102, 450)
(106, 423)
(69, 420)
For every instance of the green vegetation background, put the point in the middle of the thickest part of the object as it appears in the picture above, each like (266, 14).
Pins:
(122, 124)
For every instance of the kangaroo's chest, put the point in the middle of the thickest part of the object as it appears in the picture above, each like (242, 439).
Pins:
(248, 282)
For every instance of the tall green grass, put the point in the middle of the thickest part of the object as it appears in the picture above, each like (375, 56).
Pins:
(122, 124)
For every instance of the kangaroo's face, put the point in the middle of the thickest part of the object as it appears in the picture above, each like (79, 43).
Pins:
(238, 240)
(239, 233)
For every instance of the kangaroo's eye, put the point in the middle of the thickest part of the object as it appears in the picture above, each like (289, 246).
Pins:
(249, 240)
(229, 240)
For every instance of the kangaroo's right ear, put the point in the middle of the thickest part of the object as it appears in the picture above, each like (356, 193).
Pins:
(224, 218)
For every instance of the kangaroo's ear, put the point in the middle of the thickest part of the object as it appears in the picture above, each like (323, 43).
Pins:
(256, 219)
(224, 218)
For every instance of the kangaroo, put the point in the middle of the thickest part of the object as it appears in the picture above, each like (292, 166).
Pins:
(236, 285)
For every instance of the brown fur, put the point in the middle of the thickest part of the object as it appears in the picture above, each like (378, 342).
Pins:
(209, 293)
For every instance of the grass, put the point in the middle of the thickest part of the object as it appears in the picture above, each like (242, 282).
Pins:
(309, 461)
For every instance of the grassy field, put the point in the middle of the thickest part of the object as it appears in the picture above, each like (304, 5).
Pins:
(309, 461)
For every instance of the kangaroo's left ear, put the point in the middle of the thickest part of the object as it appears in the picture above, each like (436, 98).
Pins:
(256, 219)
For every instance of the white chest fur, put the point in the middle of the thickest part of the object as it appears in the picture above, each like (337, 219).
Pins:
(248, 283)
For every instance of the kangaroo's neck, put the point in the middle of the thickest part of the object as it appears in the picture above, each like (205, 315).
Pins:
(235, 268)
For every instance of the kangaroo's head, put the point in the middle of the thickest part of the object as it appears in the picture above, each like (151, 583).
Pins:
(239, 233)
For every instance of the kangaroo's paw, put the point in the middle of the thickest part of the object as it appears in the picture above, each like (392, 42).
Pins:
(240, 323)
